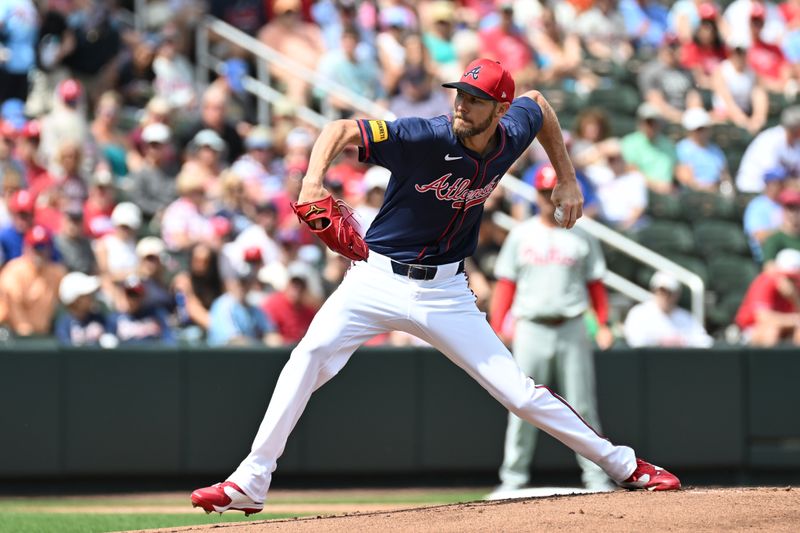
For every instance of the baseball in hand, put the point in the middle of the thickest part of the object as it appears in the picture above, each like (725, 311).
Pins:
(559, 215)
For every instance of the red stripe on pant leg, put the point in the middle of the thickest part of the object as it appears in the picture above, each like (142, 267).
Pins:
(562, 400)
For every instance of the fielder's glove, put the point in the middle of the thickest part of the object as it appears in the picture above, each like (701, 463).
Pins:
(338, 227)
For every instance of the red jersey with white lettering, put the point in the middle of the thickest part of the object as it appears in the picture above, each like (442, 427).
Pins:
(433, 204)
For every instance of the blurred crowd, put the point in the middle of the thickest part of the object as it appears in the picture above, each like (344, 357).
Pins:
(139, 206)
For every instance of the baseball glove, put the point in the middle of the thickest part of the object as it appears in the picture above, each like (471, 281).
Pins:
(338, 227)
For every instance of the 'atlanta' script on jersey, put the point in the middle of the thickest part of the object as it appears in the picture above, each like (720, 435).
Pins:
(458, 191)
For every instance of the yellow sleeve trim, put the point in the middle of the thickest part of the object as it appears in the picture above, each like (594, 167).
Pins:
(379, 130)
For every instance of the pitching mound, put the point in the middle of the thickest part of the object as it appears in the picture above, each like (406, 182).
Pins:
(692, 509)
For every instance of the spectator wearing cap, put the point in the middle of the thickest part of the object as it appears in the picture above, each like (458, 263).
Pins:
(82, 323)
(660, 322)
(773, 147)
(236, 320)
(20, 23)
(417, 96)
(650, 151)
(29, 286)
(157, 111)
(205, 157)
(184, 222)
(77, 253)
(770, 311)
(737, 16)
(116, 251)
(738, 97)
(289, 308)
(21, 206)
(360, 75)
(260, 170)
(68, 173)
(65, 122)
(686, 17)
(289, 34)
(645, 22)
(153, 273)
(27, 150)
(261, 236)
(701, 163)
(152, 187)
(505, 42)
(199, 285)
(232, 203)
(765, 58)
(107, 134)
(100, 204)
(704, 50)
(134, 322)
(666, 84)
(602, 30)
(788, 235)
(213, 106)
(376, 181)
(764, 214)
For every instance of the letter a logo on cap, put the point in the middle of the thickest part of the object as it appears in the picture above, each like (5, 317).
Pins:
(474, 72)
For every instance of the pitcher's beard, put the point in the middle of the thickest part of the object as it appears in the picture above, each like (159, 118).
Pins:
(463, 132)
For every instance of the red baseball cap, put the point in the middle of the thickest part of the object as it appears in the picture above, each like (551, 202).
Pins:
(758, 11)
(252, 254)
(707, 11)
(31, 130)
(36, 236)
(545, 178)
(486, 79)
(69, 90)
(21, 202)
(789, 197)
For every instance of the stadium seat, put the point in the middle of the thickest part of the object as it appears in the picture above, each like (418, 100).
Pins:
(720, 236)
(667, 236)
(729, 274)
(721, 313)
(664, 206)
(621, 99)
(698, 205)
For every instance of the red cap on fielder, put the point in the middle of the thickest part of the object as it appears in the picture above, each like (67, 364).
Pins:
(486, 79)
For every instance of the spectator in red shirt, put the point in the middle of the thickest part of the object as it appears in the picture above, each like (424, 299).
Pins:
(770, 311)
(36, 176)
(505, 42)
(98, 207)
(288, 308)
(766, 59)
(706, 50)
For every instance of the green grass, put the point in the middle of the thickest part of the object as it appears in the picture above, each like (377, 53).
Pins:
(13, 522)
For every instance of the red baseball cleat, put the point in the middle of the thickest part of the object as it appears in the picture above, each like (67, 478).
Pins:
(222, 497)
(650, 477)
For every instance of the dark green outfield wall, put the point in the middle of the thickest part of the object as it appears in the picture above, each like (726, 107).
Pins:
(72, 413)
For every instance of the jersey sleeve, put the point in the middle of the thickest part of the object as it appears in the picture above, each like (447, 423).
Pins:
(507, 264)
(523, 121)
(391, 143)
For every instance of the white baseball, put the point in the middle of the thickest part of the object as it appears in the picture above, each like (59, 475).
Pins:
(559, 215)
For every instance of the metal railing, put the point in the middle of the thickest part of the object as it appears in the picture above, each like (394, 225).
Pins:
(623, 244)
(260, 85)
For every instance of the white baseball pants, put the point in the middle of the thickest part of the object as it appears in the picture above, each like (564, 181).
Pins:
(442, 311)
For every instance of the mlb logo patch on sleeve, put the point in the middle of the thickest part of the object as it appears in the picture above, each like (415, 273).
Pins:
(379, 130)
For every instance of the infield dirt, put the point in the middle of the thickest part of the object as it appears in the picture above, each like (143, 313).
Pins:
(693, 509)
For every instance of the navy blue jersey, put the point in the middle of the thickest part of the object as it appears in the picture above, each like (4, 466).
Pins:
(433, 205)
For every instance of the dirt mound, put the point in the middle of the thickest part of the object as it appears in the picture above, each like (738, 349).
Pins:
(692, 509)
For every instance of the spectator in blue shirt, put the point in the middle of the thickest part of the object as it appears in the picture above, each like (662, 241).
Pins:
(20, 206)
(138, 323)
(645, 22)
(235, 320)
(701, 163)
(763, 215)
(82, 324)
(19, 32)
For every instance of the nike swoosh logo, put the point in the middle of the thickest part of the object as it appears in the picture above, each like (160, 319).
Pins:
(448, 157)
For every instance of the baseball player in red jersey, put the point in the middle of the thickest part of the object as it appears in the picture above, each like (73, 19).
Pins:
(411, 273)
